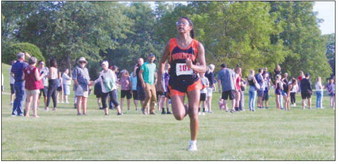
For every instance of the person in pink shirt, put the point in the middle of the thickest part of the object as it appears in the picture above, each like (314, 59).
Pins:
(33, 85)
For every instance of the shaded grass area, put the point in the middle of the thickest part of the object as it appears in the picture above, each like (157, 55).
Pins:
(262, 135)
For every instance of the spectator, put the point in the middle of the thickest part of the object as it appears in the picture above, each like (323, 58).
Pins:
(81, 79)
(53, 82)
(147, 78)
(266, 86)
(289, 88)
(210, 76)
(66, 80)
(60, 89)
(306, 91)
(319, 93)
(252, 92)
(11, 82)
(294, 90)
(278, 91)
(43, 91)
(17, 73)
(107, 79)
(33, 85)
(227, 81)
(203, 92)
(238, 81)
(134, 88)
(285, 95)
(126, 91)
(140, 89)
(98, 93)
(260, 91)
(163, 97)
(331, 92)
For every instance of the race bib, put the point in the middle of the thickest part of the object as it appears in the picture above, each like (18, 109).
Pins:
(182, 69)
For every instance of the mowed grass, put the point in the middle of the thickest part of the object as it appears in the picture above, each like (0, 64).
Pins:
(262, 135)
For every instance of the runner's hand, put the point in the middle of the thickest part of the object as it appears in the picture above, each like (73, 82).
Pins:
(189, 63)
(159, 86)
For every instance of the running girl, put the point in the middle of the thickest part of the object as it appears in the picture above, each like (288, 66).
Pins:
(187, 58)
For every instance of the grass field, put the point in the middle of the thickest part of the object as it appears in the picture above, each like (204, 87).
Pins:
(262, 135)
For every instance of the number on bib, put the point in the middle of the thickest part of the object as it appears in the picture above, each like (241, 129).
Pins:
(182, 69)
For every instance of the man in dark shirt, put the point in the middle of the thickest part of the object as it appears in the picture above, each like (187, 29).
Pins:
(140, 89)
(17, 72)
(306, 90)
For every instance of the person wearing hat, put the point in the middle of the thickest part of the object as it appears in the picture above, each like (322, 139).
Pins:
(17, 73)
(148, 79)
(81, 79)
(43, 91)
(108, 80)
(306, 90)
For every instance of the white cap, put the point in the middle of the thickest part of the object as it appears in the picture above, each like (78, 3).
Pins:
(105, 63)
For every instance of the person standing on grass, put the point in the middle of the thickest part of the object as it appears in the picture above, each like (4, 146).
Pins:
(43, 91)
(98, 93)
(66, 80)
(108, 80)
(148, 79)
(227, 80)
(187, 58)
(210, 76)
(260, 91)
(266, 86)
(288, 99)
(17, 73)
(126, 91)
(238, 81)
(11, 83)
(294, 90)
(53, 82)
(319, 93)
(278, 91)
(81, 80)
(285, 95)
(331, 92)
(203, 92)
(33, 80)
(252, 92)
(60, 89)
(163, 99)
(134, 81)
(140, 89)
(306, 90)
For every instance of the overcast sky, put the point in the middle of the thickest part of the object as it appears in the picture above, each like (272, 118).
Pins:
(326, 11)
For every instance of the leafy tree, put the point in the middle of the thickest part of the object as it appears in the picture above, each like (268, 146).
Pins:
(330, 52)
(10, 51)
(302, 36)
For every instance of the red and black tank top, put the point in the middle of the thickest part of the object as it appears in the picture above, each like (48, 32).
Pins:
(177, 59)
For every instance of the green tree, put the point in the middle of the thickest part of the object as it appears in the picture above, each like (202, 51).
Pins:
(9, 52)
(330, 52)
(302, 36)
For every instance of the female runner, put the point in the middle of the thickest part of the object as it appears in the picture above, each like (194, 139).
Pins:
(187, 58)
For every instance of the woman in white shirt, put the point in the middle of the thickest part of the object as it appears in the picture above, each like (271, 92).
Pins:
(108, 81)
(66, 84)
(319, 92)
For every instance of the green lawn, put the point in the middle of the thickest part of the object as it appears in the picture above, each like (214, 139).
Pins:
(262, 135)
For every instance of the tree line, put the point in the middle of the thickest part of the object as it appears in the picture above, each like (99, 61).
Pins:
(248, 34)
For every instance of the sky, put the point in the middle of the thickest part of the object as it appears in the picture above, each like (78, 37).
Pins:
(326, 11)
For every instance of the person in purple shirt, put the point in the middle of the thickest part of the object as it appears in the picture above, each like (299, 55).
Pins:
(17, 73)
